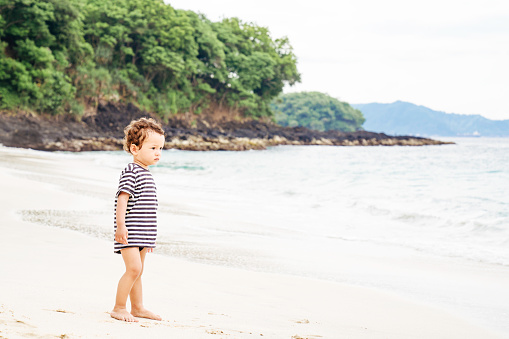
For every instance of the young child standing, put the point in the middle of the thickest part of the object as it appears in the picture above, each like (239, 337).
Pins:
(135, 215)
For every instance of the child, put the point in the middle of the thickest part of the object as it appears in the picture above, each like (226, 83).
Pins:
(135, 215)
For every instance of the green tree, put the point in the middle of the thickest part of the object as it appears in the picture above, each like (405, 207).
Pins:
(152, 52)
(317, 111)
(41, 43)
(56, 53)
(258, 67)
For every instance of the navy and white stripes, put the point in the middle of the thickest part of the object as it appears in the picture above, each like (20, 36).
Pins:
(141, 215)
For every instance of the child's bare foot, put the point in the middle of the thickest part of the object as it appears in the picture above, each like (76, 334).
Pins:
(144, 313)
(122, 314)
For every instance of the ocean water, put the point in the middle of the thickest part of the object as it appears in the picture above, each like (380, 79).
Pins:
(449, 200)
(359, 215)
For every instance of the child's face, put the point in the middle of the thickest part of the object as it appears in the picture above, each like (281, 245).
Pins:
(150, 151)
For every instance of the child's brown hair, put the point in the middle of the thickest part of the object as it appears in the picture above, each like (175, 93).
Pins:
(136, 132)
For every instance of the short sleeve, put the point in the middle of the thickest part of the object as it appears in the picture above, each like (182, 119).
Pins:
(127, 183)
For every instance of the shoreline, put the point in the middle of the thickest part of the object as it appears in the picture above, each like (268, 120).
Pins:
(104, 132)
(62, 282)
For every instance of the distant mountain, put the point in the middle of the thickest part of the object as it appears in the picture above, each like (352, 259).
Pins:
(404, 118)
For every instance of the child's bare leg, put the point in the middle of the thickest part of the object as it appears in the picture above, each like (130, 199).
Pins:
(136, 295)
(133, 269)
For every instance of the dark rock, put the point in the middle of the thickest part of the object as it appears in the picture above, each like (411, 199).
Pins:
(26, 137)
(105, 130)
(111, 119)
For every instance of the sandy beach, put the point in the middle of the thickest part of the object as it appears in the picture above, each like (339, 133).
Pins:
(57, 282)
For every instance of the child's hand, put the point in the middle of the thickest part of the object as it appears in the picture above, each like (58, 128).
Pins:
(150, 250)
(121, 235)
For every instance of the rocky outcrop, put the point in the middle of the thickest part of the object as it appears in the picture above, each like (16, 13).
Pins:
(104, 131)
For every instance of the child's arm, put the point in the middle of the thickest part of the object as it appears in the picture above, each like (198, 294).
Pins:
(121, 232)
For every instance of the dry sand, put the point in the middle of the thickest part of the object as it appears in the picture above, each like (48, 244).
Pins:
(60, 283)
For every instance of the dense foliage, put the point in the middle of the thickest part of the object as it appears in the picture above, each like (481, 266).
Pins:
(58, 55)
(40, 41)
(317, 111)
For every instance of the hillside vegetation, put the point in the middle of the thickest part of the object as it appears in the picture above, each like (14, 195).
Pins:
(317, 111)
(64, 55)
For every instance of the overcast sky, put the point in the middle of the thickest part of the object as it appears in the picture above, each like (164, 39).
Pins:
(448, 55)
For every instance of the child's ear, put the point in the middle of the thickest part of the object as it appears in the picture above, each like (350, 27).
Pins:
(134, 149)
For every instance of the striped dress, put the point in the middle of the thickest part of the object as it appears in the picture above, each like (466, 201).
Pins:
(141, 215)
